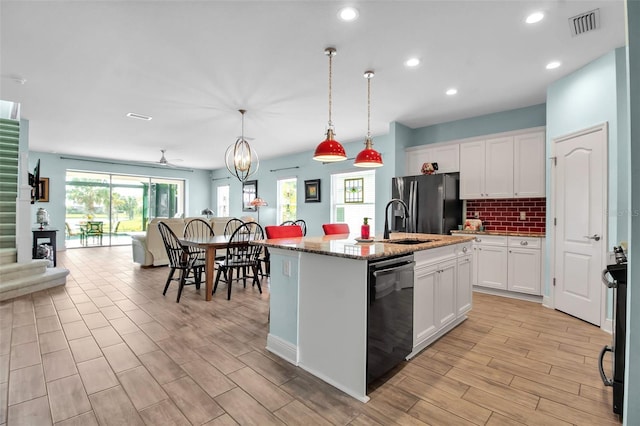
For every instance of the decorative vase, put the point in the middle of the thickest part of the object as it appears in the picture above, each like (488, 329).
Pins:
(364, 229)
(42, 217)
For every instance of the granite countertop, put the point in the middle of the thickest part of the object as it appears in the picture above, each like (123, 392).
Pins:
(344, 245)
(502, 233)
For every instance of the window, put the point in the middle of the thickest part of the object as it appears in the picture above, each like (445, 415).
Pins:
(222, 210)
(122, 203)
(353, 197)
(287, 199)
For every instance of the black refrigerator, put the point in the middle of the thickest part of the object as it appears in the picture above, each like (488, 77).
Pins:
(433, 200)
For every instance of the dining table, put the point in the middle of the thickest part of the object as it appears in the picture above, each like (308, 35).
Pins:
(211, 245)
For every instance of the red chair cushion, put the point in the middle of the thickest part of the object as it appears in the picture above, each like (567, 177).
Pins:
(335, 228)
(286, 231)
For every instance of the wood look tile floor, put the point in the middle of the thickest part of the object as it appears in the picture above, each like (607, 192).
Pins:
(109, 349)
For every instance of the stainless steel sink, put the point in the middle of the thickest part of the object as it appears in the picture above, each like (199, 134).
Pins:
(408, 241)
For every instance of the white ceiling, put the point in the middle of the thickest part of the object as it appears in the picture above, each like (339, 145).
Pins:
(192, 64)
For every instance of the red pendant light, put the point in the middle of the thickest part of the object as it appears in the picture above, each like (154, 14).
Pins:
(330, 150)
(368, 157)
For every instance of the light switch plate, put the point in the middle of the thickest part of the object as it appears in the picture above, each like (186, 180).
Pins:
(286, 268)
(523, 216)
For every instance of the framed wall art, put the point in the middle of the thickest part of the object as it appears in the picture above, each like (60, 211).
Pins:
(312, 191)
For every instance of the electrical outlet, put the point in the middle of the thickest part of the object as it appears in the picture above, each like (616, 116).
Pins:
(523, 216)
(286, 268)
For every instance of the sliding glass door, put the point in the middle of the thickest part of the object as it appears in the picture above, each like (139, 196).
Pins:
(106, 209)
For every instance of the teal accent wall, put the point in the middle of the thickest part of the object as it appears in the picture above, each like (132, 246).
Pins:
(632, 374)
(588, 97)
(197, 188)
(403, 136)
(314, 214)
(504, 121)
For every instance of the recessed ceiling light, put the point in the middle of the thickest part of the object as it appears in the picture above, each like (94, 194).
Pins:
(348, 14)
(451, 91)
(553, 65)
(138, 116)
(534, 17)
(412, 62)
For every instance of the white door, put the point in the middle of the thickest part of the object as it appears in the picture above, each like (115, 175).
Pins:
(580, 192)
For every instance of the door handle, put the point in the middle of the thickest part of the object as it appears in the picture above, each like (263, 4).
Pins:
(593, 237)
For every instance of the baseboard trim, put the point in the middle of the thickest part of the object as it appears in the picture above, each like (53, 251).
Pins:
(427, 342)
(282, 348)
(509, 294)
(608, 326)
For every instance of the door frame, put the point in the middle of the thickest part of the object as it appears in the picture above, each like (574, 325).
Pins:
(550, 299)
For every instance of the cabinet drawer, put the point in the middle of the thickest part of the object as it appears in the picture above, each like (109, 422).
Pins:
(491, 240)
(525, 242)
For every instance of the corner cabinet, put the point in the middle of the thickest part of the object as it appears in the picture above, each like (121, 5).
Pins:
(442, 292)
(506, 263)
(503, 167)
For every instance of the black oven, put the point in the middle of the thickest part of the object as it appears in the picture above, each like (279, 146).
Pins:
(389, 314)
(615, 276)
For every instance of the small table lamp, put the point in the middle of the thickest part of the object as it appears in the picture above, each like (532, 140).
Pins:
(207, 212)
(258, 202)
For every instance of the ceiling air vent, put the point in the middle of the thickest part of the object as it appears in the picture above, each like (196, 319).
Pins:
(584, 22)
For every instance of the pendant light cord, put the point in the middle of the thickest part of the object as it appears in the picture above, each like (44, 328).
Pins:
(368, 107)
(330, 73)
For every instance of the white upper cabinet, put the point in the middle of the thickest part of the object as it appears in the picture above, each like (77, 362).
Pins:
(503, 167)
(498, 174)
(486, 169)
(529, 165)
(472, 170)
(447, 156)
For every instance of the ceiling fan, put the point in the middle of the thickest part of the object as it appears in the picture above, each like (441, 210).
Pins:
(164, 162)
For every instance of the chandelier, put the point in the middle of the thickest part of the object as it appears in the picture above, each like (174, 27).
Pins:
(240, 159)
(330, 149)
(368, 157)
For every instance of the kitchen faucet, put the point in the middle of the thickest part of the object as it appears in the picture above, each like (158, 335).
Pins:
(386, 215)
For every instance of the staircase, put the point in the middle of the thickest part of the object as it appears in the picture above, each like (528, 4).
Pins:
(9, 149)
(17, 279)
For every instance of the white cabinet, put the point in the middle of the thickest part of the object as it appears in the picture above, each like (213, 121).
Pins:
(524, 262)
(441, 296)
(446, 155)
(464, 289)
(424, 296)
(529, 165)
(486, 168)
(472, 170)
(498, 168)
(506, 263)
(503, 167)
(435, 295)
(491, 261)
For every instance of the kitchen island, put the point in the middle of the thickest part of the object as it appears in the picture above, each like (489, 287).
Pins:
(319, 299)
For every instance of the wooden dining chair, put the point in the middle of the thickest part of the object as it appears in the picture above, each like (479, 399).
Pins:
(180, 258)
(302, 224)
(232, 225)
(241, 256)
(335, 228)
(198, 229)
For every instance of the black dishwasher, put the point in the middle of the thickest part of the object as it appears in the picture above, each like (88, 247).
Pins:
(389, 314)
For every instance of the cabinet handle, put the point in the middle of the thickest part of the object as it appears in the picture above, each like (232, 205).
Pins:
(515, 193)
(478, 240)
(524, 243)
(510, 251)
(464, 249)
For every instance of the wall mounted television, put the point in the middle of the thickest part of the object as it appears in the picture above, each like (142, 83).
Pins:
(34, 183)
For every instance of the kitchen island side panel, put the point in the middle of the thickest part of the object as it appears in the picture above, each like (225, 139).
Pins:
(332, 327)
(283, 303)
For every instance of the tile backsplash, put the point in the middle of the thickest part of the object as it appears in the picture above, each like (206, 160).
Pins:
(501, 214)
